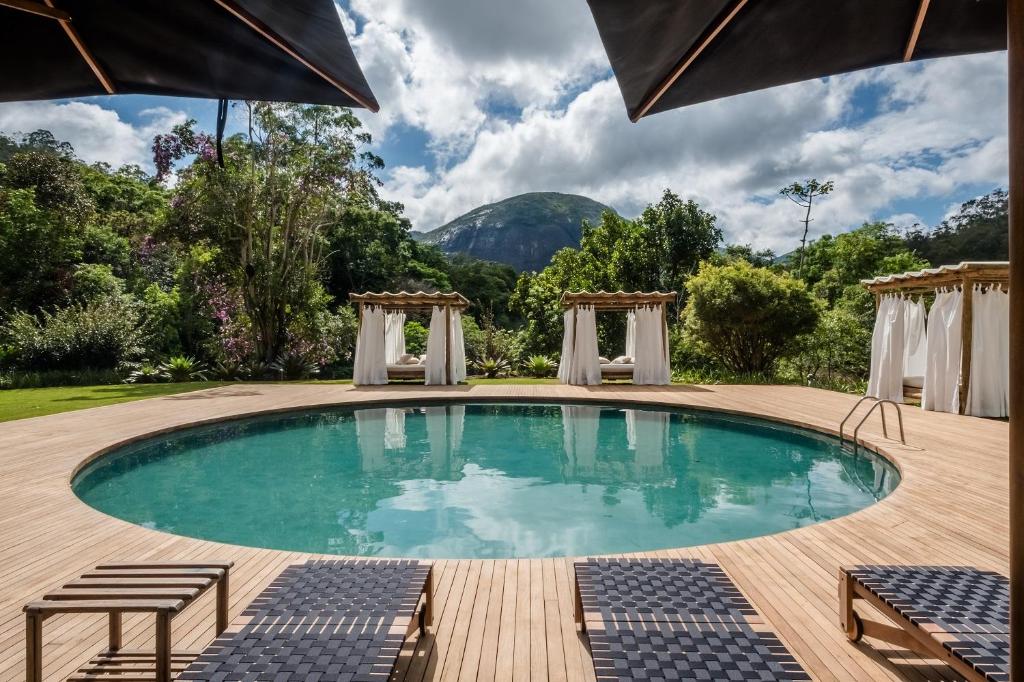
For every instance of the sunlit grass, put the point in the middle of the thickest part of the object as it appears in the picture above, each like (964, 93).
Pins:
(21, 403)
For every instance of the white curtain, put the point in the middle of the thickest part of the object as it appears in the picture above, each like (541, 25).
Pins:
(370, 367)
(887, 343)
(394, 337)
(434, 372)
(585, 368)
(942, 369)
(987, 395)
(568, 342)
(650, 364)
(915, 351)
(458, 349)
(630, 334)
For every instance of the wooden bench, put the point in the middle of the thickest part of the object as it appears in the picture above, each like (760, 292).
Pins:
(956, 614)
(161, 588)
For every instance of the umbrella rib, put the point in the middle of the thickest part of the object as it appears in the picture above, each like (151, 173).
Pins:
(922, 12)
(65, 23)
(687, 61)
(274, 38)
(36, 8)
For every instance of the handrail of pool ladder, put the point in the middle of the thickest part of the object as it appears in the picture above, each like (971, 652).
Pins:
(880, 404)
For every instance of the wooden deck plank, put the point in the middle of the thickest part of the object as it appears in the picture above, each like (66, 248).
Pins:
(508, 619)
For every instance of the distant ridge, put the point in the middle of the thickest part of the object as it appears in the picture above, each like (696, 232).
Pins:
(523, 231)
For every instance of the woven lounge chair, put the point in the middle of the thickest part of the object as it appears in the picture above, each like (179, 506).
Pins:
(957, 614)
(336, 620)
(674, 619)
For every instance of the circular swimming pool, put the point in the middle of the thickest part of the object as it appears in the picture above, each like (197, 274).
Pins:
(484, 480)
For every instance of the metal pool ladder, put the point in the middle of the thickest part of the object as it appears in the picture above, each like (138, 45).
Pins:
(880, 404)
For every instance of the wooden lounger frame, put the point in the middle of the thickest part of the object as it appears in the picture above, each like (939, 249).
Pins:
(924, 637)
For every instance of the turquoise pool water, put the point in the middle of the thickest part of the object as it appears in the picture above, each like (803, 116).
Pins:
(484, 480)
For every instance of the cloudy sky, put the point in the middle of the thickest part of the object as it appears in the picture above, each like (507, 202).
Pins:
(486, 99)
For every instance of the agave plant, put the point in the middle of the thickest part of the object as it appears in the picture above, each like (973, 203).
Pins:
(294, 366)
(181, 368)
(229, 370)
(540, 366)
(146, 374)
(493, 367)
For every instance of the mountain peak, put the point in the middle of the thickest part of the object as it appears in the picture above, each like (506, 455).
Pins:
(523, 231)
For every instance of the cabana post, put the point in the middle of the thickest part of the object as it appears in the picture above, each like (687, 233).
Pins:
(964, 276)
(420, 301)
(635, 302)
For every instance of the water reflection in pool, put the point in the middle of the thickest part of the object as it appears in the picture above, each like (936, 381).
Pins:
(494, 480)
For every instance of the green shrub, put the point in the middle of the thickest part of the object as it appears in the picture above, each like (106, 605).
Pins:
(493, 367)
(146, 374)
(747, 318)
(293, 366)
(103, 334)
(540, 366)
(837, 352)
(46, 379)
(182, 368)
(415, 338)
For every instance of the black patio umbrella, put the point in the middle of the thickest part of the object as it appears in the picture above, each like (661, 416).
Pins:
(294, 51)
(673, 53)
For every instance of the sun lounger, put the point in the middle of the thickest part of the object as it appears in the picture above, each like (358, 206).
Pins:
(674, 619)
(406, 371)
(614, 370)
(956, 614)
(337, 620)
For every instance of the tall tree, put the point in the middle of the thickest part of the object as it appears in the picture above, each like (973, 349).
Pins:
(284, 185)
(803, 195)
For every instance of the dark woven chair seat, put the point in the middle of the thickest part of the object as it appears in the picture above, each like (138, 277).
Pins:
(678, 651)
(659, 590)
(342, 621)
(674, 619)
(969, 605)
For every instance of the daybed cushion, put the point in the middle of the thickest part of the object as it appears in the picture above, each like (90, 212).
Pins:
(408, 359)
(604, 360)
(622, 360)
(914, 382)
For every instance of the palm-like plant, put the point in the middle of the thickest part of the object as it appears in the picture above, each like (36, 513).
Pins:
(294, 366)
(146, 374)
(493, 367)
(182, 368)
(540, 366)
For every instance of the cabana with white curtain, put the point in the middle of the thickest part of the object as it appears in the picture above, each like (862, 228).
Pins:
(380, 345)
(956, 356)
(645, 359)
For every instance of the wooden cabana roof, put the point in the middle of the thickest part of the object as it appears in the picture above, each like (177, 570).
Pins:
(404, 300)
(965, 274)
(617, 300)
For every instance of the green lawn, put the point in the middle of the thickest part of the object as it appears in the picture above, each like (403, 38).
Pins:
(20, 403)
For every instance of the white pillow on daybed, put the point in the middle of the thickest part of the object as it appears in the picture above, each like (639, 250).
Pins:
(604, 360)
(623, 360)
(408, 359)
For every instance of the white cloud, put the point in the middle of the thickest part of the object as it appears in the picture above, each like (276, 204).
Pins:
(96, 133)
(733, 155)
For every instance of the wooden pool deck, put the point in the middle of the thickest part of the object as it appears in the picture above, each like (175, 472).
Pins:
(509, 620)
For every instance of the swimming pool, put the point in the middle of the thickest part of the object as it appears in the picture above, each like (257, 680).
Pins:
(484, 480)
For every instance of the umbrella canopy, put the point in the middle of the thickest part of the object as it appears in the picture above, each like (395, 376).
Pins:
(673, 53)
(293, 51)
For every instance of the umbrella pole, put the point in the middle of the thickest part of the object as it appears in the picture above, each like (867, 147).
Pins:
(1015, 56)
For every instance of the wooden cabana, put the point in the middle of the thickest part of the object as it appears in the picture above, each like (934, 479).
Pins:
(963, 276)
(420, 301)
(606, 301)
